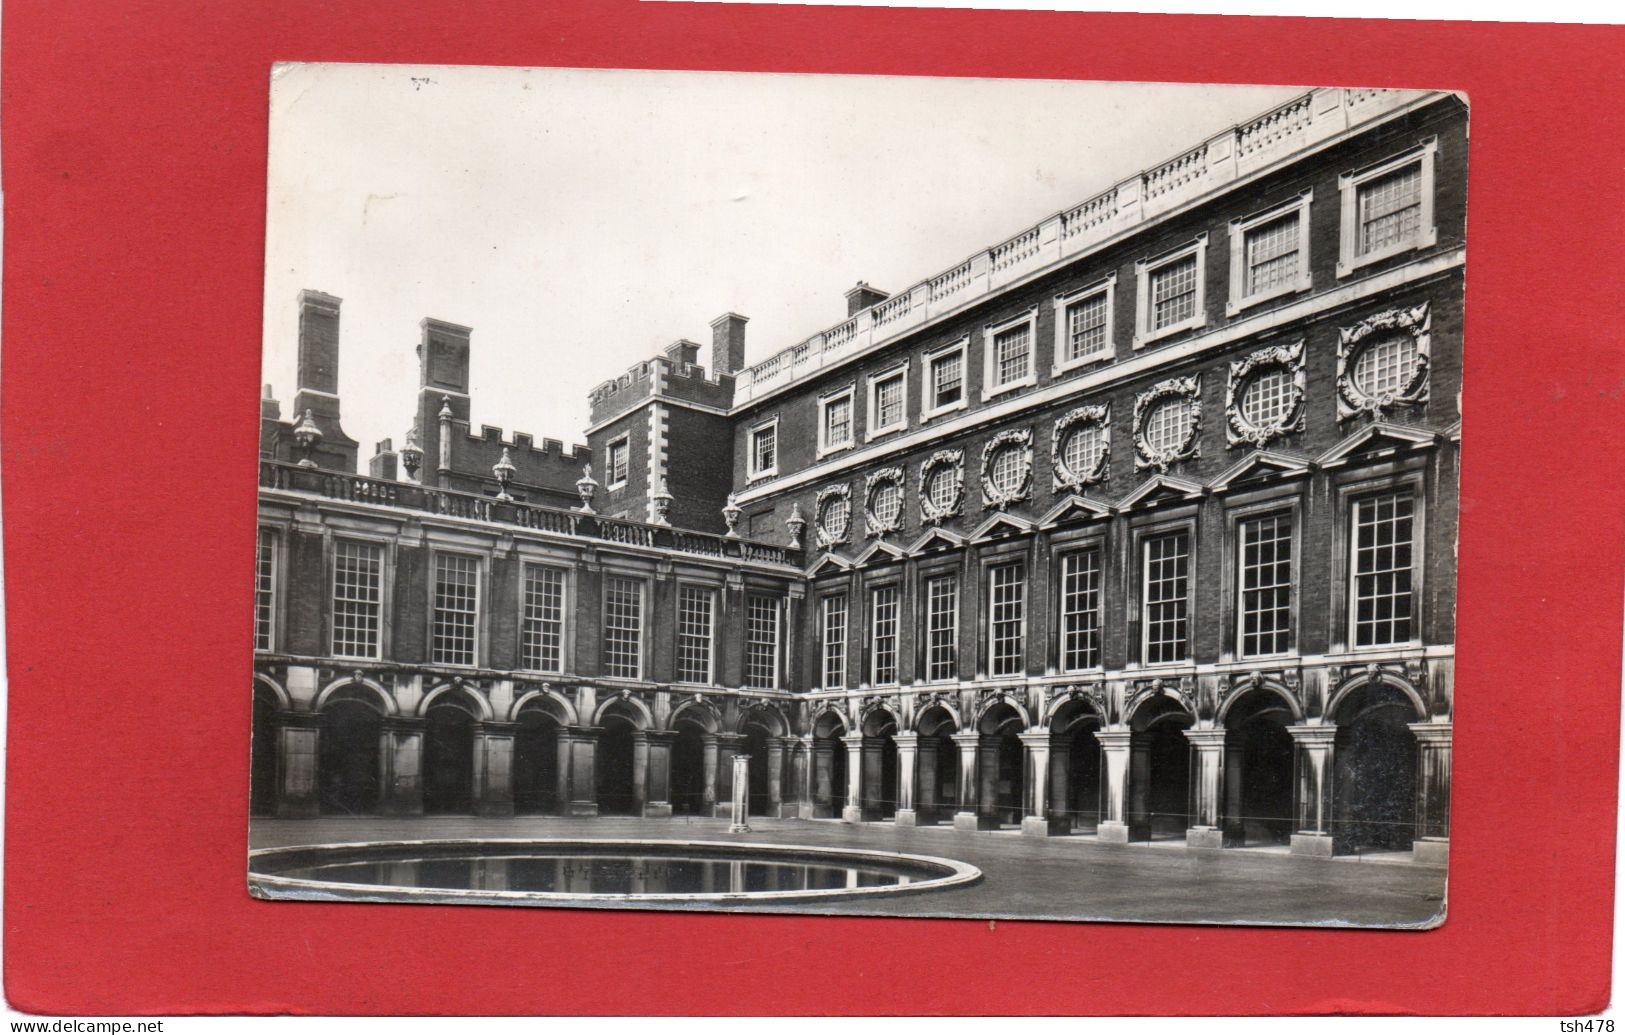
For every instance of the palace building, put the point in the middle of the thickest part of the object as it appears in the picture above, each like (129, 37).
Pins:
(1138, 525)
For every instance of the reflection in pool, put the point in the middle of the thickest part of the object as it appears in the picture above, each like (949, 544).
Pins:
(638, 871)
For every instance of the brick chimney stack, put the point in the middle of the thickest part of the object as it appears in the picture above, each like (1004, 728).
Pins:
(683, 351)
(861, 296)
(317, 374)
(728, 344)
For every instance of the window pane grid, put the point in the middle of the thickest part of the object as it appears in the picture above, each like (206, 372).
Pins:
(1384, 366)
(838, 422)
(1006, 584)
(1167, 588)
(623, 627)
(1265, 399)
(1086, 326)
(1168, 426)
(1082, 449)
(357, 598)
(264, 589)
(1008, 469)
(456, 608)
(541, 630)
(943, 485)
(1391, 208)
(947, 378)
(1266, 585)
(883, 632)
(835, 640)
(835, 517)
(1173, 293)
(887, 501)
(941, 628)
(1011, 355)
(889, 402)
(1080, 610)
(1272, 254)
(761, 641)
(1383, 563)
(694, 610)
(617, 462)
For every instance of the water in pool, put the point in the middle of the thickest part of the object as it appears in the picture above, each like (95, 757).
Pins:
(603, 874)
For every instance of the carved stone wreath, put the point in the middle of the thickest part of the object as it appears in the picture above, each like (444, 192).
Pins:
(826, 539)
(1146, 403)
(1351, 399)
(1238, 429)
(942, 459)
(1020, 439)
(873, 524)
(1077, 420)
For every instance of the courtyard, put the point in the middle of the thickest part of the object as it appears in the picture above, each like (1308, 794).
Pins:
(1074, 877)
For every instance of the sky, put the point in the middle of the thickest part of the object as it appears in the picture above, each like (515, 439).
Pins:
(581, 220)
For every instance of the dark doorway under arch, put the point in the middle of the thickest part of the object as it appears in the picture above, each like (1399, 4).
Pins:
(756, 740)
(688, 770)
(536, 763)
(448, 759)
(1259, 771)
(347, 758)
(262, 774)
(1374, 761)
(616, 796)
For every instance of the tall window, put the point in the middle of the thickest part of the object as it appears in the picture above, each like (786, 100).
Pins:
(1384, 537)
(617, 463)
(764, 449)
(1167, 597)
(623, 627)
(456, 608)
(941, 627)
(886, 403)
(1007, 601)
(357, 598)
(1266, 585)
(694, 631)
(837, 421)
(541, 629)
(1173, 293)
(1080, 610)
(761, 641)
(1390, 208)
(265, 591)
(946, 379)
(883, 631)
(1086, 328)
(1272, 254)
(1012, 355)
(835, 640)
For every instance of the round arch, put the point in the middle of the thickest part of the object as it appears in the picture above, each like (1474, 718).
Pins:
(1265, 686)
(549, 701)
(1000, 762)
(829, 722)
(1065, 713)
(766, 716)
(1077, 764)
(459, 697)
(359, 689)
(699, 713)
(1159, 791)
(1157, 708)
(1364, 679)
(639, 717)
(1014, 705)
(283, 701)
(829, 763)
(936, 765)
(1259, 765)
(1374, 769)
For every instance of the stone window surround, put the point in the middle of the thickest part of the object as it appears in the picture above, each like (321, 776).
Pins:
(645, 581)
(928, 362)
(1107, 286)
(1176, 519)
(841, 590)
(482, 591)
(567, 609)
(386, 587)
(990, 389)
(1285, 499)
(988, 557)
(1143, 271)
(753, 473)
(872, 430)
(1239, 299)
(825, 447)
(278, 536)
(716, 599)
(624, 441)
(1409, 475)
(892, 580)
(951, 566)
(1061, 543)
(1349, 258)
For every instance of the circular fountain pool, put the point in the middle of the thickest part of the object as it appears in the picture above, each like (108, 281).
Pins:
(578, 871)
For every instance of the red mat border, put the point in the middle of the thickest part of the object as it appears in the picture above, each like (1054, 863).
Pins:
(134, 168)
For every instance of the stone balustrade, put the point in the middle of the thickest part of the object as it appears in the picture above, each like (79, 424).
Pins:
(1241, 150)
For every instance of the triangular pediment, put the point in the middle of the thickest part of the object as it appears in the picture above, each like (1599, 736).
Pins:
(880, 552)
(1161, 488)
(828, 563)
(1075, 508)
(1381, 437)
(936, 538)
(1001, 524)
(1259, 465)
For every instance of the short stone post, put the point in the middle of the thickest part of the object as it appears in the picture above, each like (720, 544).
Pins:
(853, 812)
(740, 821)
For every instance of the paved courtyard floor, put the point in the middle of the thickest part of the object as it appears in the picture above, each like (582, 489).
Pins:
(1072, 878)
